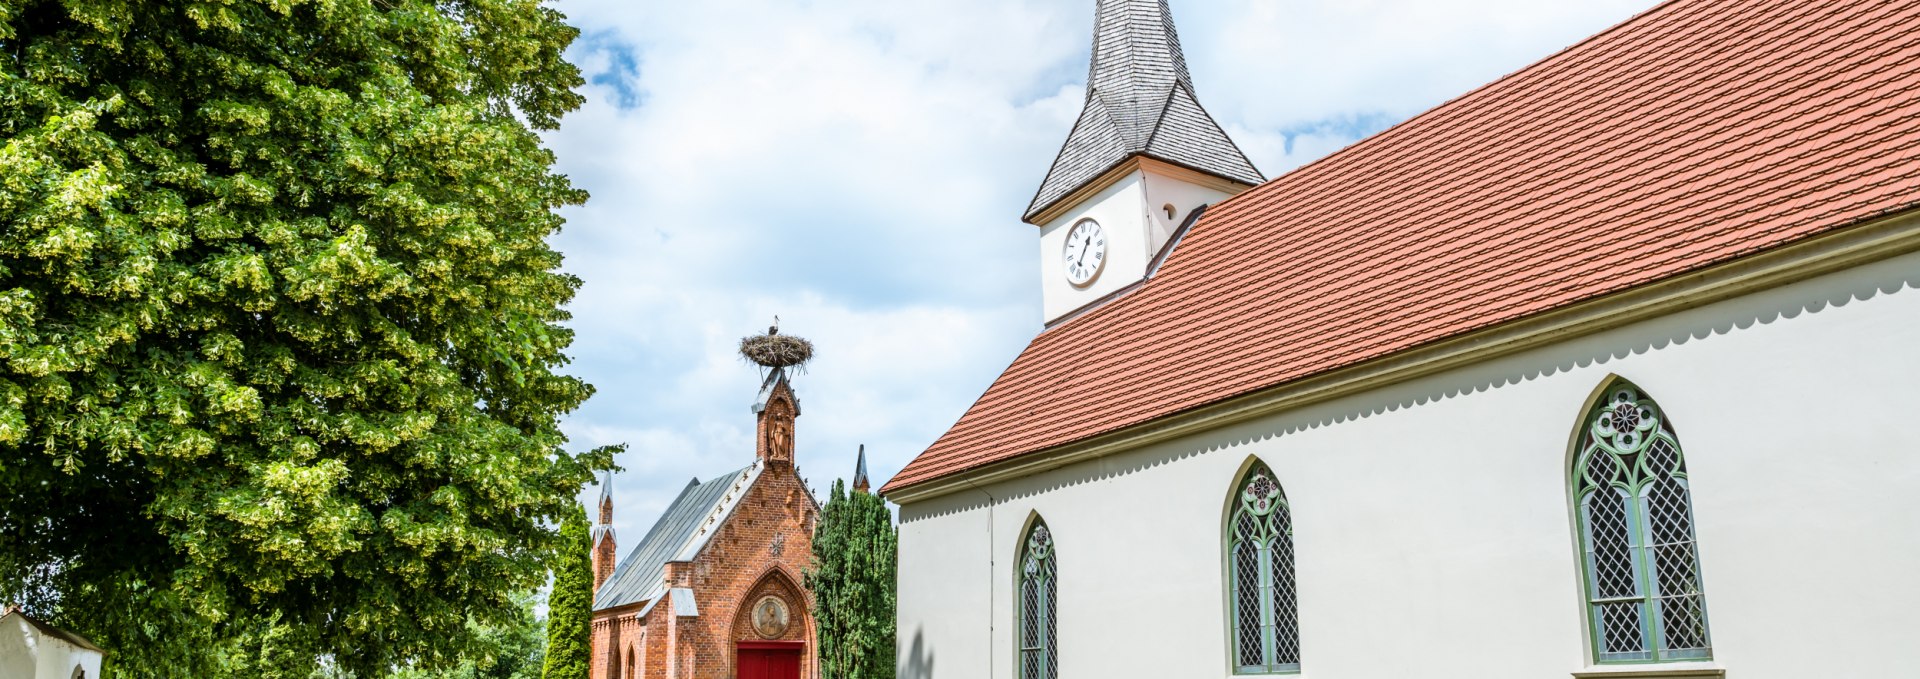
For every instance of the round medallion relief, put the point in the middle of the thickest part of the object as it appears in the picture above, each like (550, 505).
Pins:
(770, 617)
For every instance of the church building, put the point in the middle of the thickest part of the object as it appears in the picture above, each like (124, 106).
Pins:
(714, 590)
(1604, 369)
(33, 649)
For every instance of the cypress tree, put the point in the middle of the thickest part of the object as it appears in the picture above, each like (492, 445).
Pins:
(570, 608)
(852, 580)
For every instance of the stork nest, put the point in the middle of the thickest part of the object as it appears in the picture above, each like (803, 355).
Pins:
(776, 351)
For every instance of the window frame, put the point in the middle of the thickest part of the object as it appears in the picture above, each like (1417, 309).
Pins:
(1264, 554)
(1048, 572)
(1634, 483)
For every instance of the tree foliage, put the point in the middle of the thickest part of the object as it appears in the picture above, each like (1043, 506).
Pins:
(570, 609)
(280, 332)
(513, 648)
(855, 550)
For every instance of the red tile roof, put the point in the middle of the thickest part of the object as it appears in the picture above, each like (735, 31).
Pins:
(1695, 133)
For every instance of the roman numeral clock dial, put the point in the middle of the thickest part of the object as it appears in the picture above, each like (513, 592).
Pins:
(1086, 250)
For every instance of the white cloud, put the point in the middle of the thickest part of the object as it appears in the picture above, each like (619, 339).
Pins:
(859, 167)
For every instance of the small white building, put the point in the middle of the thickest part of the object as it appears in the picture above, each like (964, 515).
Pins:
(31, 649)
(1605, 369)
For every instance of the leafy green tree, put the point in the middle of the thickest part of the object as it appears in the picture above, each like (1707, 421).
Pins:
(570, 609)
(280, 333)
(512, 649)
(855, 555)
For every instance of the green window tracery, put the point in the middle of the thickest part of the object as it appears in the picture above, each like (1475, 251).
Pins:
(1644, 597)
(1038, 590)
(1266, 619)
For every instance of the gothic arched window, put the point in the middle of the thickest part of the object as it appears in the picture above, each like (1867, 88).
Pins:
(1266, 617)
(1037, 604)
(1644, 598)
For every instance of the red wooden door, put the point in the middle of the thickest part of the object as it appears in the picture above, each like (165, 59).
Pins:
(768, 661)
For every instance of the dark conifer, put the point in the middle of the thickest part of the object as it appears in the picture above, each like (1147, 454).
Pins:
(852, 580)
(570, 609)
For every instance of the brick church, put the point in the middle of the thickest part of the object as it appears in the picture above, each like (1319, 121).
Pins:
(714, 588)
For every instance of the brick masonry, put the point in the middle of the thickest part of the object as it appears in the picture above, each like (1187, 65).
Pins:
(759, 550)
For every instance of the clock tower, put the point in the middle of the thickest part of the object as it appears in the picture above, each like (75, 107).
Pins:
(1139, 163)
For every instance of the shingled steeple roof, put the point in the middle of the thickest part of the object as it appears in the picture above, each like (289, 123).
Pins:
(1139, 102)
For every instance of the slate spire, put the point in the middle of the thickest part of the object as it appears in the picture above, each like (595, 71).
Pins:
(603, 523)
(604, 553)
(1140, 101)
(860, 471)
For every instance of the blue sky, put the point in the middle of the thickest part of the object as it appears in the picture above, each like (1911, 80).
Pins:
(858, 167)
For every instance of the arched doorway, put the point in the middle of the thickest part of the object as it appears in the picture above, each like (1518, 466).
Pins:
(771, 630)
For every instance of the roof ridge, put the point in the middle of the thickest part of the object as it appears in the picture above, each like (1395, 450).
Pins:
(680, 514)
(664, 511)
(51, 630)
(1166, 104)
(1195, 98)
(1033, 205)
(1369, 139)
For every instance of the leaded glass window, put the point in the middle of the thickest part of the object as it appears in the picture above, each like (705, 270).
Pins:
(1037, 605)
(1266, 618)
(1645, 602)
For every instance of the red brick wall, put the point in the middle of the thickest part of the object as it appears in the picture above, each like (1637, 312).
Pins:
(775, 584)
(604, 552)
(773, 428)
(761, 549)
(604, 555)
(741, 561)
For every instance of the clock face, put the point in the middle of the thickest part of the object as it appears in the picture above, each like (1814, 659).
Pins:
(1086, 250)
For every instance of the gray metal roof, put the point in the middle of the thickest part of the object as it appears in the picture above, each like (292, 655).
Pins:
(1139, 102)
(638, 576)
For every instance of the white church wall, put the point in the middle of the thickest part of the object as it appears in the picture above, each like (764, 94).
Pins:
(1120, 210)
(1131, 212)
(25, 653)
(1163, 189)
(1434, 534)
(16, 649)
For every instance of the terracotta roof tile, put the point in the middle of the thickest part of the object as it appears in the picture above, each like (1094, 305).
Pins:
(1695, 133)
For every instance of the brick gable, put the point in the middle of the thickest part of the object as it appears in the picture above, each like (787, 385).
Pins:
(759, 549)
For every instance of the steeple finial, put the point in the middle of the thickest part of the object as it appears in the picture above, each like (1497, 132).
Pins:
(604, 552)
(603, 523)
(1140, 101)
(860, 471)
